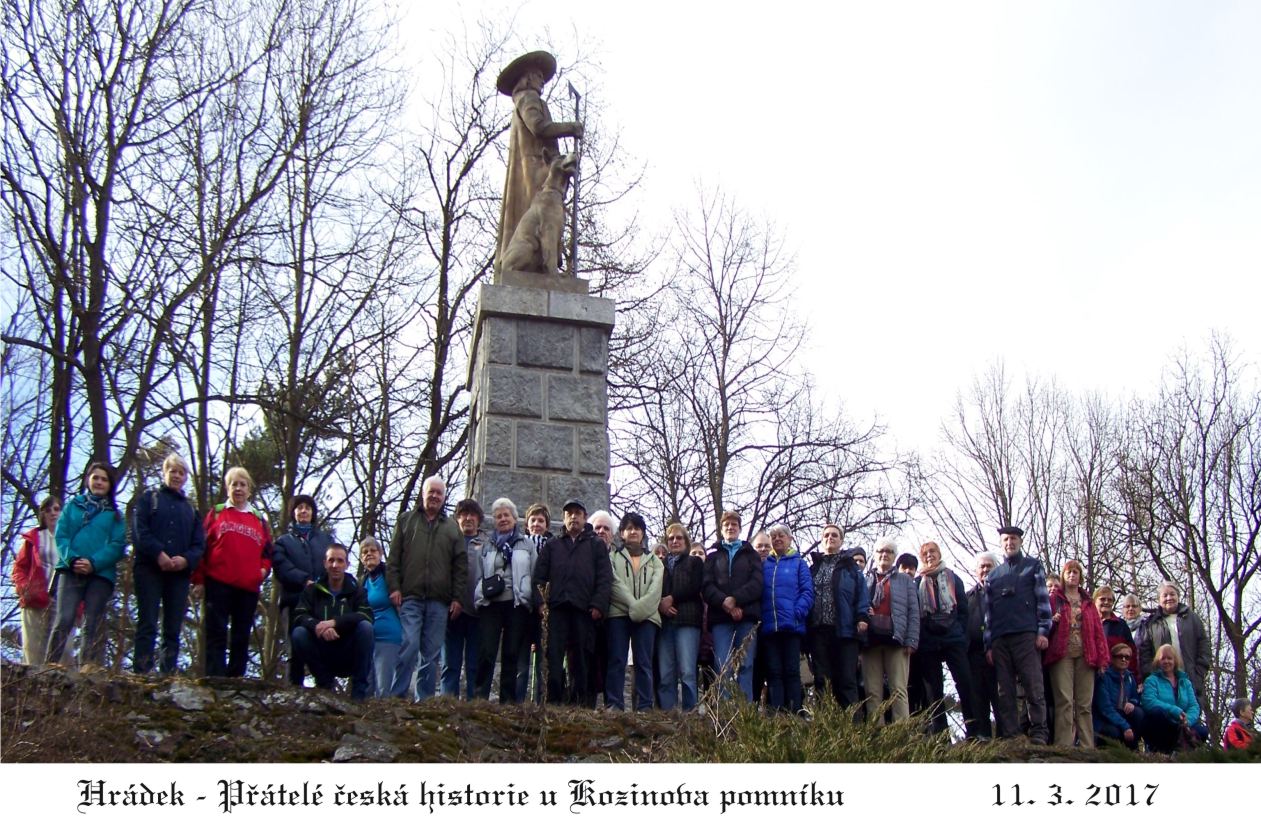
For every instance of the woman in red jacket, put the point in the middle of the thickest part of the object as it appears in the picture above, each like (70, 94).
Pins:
(237, 560)
(32, 579)
(1077, 651)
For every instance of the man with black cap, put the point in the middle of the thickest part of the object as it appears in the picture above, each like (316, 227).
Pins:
(1017, 629)
(576, 567)
(532, 131)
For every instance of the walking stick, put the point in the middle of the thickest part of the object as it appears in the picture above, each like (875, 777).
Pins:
(573, 215)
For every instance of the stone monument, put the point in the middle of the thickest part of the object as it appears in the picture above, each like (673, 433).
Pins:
(539, 366)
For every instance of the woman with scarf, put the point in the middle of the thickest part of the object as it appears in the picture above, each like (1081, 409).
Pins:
(387, 629)
(299, 562)
(503, 597)
(1076, 653)
(1115, 629)
(1132, 612)
(892, 634)
(33, 578)
(943, 638)
(837, 618)
(633, 616)
(91, 539)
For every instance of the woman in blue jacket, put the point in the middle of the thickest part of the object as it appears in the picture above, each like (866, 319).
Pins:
(1172, 714)
(387, 630)
(787, 596)
(91, 538)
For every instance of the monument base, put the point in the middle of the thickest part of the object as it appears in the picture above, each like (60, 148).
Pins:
(539, 368)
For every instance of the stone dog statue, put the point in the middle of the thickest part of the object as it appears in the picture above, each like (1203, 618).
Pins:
(535, 244)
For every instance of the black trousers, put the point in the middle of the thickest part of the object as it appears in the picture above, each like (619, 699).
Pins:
(568, 625)
(835, 664)
(1016, 658)
(984, 695)
(165, 593)
(501, 628)
(954, 657)
(226, 604)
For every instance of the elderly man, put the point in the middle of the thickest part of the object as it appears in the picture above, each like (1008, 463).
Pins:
(1017, 629)
(984, 686)
(333, 626)
(1174, 623)
(426, 574)
(576, 570)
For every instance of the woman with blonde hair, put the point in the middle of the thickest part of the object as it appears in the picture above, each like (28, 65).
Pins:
(682, 614)
(1172, 711)
(237, 560)
(170, 543)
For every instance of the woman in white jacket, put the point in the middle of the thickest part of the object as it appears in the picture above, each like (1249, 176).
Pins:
(503, 601)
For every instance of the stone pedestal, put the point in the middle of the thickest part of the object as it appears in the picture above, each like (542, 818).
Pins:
(539, 412)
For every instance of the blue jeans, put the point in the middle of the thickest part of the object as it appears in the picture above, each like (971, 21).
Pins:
(460, 652)
(640, 636)
(424, 626)
(678, 648)
(727, 638)
(158, 592)
(384, 661)
(348, 656)
(94, 592)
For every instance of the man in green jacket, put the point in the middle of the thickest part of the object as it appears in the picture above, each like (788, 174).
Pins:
(426, 576)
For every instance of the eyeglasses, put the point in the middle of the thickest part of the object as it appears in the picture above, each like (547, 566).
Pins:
(1124, 656)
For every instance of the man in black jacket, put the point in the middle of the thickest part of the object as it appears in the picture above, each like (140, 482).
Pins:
(333, 626)
(577, 571)
(984, 683)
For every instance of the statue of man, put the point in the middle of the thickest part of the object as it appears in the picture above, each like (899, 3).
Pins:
(532, 132)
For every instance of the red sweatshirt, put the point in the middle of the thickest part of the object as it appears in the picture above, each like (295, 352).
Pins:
(238, 549)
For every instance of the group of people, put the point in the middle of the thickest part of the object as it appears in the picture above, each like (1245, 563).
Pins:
(455, 597)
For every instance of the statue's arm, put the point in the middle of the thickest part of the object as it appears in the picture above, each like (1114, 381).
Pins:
(534, 113)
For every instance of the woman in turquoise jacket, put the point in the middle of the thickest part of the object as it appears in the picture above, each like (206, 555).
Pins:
(91, 538)
(1168, 698)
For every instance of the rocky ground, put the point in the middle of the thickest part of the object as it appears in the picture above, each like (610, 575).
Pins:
(54, 715)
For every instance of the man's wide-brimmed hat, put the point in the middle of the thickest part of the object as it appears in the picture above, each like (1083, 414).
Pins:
(540, 60)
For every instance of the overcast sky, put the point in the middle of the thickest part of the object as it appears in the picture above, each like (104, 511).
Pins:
(1070, 186)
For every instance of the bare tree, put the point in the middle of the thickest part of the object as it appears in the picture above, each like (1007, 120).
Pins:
(715, 415)
(1195, 487)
